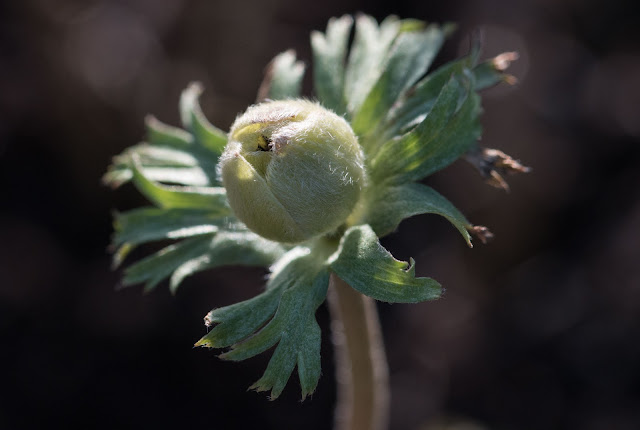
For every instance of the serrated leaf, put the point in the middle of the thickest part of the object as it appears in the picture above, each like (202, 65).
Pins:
(197, 124)
(394, 203)
(283, 78)
(450, 129)
(367, 57)
(150, 224)
(169, 196)
(329, 53)
(411, 55)
(369, 268)
(298, 337)
(300, 284)
(237, 321)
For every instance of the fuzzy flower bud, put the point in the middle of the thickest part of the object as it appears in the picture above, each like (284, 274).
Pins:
(292, 170)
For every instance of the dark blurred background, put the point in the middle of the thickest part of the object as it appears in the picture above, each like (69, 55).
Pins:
(538, 329)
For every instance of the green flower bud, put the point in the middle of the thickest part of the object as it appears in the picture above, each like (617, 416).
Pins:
(292, 170)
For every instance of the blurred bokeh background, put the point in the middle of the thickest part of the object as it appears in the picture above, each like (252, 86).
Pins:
(539, 329)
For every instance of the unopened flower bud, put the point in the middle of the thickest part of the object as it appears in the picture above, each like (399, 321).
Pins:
(292, 170)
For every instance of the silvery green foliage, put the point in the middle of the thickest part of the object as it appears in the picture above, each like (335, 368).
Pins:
(409, 124)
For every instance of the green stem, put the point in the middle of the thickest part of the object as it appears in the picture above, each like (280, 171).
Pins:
(362, 373)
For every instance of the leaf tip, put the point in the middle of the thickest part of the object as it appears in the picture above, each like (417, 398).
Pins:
(493, 165)
(195, 88)
(306, 393)
(503, 61)
(150, 120)
(261, 386)
(204, 341)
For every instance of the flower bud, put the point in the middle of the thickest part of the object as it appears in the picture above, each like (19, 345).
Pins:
(292, 170)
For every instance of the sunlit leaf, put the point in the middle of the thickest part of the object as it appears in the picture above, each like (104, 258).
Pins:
(195, 122)
(171, 196)
(368, 267)
(450, 128)
(151, 224)
(162, 134)
(283, 77)
(169, 155)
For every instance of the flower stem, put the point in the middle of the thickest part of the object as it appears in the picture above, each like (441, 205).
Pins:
(362, 373)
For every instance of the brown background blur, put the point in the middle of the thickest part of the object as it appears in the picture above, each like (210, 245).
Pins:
(540, 329)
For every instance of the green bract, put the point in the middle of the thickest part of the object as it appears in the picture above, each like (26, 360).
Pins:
(292, 170)
(303, 190)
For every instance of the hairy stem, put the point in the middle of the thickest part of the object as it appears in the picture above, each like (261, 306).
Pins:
(361, 365)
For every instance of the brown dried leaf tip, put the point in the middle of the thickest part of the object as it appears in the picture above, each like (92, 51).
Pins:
(502, 62)
(493, 164)
(481, 232)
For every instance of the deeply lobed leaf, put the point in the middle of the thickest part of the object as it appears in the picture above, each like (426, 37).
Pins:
(296, 288)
